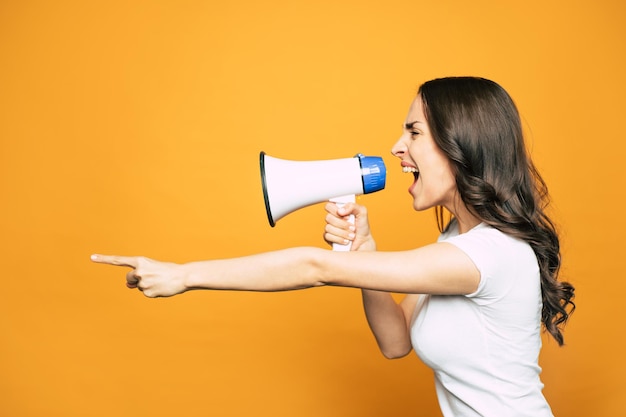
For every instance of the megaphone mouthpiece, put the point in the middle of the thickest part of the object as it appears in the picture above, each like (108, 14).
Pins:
(373, 173)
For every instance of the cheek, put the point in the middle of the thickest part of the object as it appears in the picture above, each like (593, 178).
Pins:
(449, 184)
(443, 164)
(440, 178)
(446, 175)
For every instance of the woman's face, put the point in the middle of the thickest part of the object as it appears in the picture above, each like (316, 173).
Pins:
(434, 183)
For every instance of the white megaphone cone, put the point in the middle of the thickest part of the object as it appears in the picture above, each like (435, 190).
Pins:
(291, 185)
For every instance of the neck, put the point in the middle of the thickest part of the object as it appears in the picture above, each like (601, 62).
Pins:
(467, 224)
(465, 219)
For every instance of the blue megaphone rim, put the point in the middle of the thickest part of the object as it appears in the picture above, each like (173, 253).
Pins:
(373, 173)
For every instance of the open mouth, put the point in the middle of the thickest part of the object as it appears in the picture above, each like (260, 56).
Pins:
(414, 171)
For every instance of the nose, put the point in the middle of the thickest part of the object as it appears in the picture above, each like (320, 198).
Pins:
(400, 147)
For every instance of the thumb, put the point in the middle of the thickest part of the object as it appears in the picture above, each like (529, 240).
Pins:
(360, 215)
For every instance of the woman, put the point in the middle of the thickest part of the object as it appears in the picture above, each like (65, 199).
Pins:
(477, 298)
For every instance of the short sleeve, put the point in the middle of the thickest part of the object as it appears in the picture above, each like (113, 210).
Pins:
(498, 257)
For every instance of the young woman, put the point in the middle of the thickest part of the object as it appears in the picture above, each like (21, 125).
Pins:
(476, 299)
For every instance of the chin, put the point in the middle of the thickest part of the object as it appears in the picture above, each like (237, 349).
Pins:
(418, 207)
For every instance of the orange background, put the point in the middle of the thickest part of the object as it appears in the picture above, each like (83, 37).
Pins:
(135, 128)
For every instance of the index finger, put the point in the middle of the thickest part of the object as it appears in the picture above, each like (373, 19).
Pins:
(115, 260)
(334, 208)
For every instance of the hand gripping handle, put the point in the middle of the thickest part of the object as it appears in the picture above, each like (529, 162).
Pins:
(341, 201)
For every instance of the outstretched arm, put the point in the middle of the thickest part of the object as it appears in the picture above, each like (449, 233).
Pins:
(439, 268)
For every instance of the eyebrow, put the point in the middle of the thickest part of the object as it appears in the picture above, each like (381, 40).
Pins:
(409, 126)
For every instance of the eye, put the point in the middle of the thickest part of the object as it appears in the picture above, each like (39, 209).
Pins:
(414, 134)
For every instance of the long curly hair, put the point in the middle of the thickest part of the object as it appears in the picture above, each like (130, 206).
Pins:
(477, 125)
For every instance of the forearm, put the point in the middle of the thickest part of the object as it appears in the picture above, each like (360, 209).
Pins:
(388, 323)
(385, 317)
(283, 270)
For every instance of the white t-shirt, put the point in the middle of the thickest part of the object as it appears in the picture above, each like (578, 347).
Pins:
(484, 347)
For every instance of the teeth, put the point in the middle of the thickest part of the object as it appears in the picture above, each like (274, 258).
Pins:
(407, 170)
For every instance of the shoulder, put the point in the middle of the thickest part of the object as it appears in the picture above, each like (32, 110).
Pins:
(486, 241)
(501, 259)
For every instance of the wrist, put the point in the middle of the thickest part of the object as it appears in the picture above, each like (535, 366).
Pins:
(187, 277)
(367, 246)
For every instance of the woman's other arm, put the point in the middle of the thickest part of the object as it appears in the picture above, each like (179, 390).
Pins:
(388, 320)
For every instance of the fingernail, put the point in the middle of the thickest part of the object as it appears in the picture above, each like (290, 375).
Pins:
(351, 236)
(94, 257)
(352, 228)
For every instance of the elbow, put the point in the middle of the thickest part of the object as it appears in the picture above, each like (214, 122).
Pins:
(395, 352)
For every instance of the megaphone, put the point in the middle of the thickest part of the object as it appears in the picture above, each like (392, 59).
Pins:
(292, 185)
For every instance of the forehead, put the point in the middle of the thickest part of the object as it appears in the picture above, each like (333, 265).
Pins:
(416, 111)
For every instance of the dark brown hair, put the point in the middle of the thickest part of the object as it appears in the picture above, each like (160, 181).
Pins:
(476, 124)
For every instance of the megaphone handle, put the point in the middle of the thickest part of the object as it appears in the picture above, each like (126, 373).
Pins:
(340, 201)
